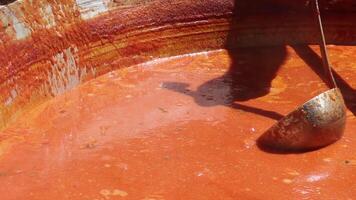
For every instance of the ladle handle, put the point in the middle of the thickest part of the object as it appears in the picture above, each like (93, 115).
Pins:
(323, 50)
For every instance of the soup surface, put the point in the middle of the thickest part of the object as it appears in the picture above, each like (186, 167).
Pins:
(183, 127)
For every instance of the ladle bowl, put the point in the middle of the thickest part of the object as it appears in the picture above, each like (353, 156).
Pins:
(317, 123)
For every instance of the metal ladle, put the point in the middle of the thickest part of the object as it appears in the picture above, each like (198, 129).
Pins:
(315, 124)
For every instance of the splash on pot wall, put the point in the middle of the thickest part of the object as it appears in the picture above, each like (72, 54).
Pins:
(65, 72)
(10, 100)
(48, 16)
(14, 24)
(91, 8)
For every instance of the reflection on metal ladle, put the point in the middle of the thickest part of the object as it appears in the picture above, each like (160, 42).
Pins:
(318, 122)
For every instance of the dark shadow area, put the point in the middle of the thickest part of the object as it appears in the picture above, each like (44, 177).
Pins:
(248, 77)
(273, 150)
(253, 68)
(220, 91)
(5, 2)
(251, 71)
(313, 60)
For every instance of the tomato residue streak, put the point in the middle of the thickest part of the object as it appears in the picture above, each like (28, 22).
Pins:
(182, 128)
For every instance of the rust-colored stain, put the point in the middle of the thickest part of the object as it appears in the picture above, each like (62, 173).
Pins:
(180, 128)
(119, 39)
(105, 35)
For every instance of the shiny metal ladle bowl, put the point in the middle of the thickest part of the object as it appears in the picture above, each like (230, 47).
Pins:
(318, 122)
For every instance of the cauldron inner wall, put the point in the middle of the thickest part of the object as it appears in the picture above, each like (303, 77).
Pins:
(48, 47)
